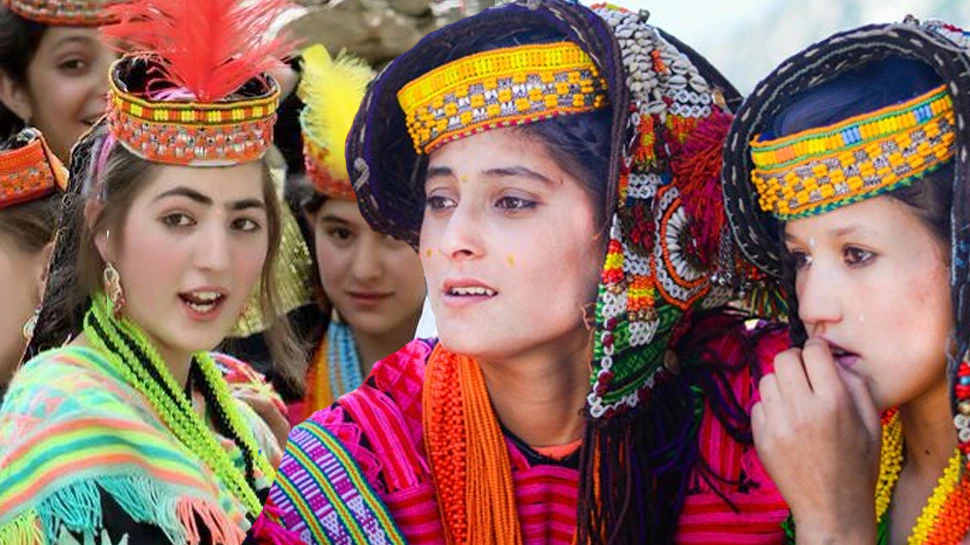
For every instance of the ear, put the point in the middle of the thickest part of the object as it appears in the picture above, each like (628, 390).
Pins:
(92, 210)
(14, 97)
(45, 268)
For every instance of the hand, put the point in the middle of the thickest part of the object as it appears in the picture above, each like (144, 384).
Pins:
(817, 432)
(270, 414)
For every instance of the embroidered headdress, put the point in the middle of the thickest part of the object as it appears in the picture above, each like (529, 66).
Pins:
(29, 170)
(332, 90)
(770, 179)
(63, 12)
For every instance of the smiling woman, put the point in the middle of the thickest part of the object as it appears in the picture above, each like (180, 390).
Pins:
(47, 46)
(141, 439)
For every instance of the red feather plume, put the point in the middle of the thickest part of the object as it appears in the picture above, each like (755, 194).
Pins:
(208, 47)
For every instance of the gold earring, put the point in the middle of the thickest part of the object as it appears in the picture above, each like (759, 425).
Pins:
(112, 286)
(31, 324)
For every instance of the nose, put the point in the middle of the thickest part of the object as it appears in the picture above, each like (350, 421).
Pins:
(819, 299)
(367, 266)
(212, 251)
(462, 235)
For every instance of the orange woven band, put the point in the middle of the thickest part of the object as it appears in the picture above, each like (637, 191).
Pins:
(502, 87)
(63, 12)
(193, 133)
(30, 172)
(320, 176)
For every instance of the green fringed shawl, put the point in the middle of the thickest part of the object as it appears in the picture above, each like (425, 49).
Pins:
(72, 429)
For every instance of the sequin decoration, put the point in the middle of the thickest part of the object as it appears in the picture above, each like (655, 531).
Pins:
(63, 12)
(29, 172)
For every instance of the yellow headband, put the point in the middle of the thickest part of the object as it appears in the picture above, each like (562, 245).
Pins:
(819, 170)
(502, 87)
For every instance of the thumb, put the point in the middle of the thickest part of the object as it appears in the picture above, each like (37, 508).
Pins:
(858, 389)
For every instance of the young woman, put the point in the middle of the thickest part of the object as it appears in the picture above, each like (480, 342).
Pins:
(373, 281)
(847, 180)
(32, 180)
(53, 45)
(557, 169)
(129, 433)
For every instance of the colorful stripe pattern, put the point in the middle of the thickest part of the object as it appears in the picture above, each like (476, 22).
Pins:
(29, 172)
(63, 12)
(71, 429)
(323, 495)
(819, 170)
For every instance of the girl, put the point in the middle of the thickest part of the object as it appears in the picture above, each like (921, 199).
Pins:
(129, 432)
(557, 169)
(847, 180)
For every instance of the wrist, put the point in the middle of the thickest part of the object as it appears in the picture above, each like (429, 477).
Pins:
(842, 529)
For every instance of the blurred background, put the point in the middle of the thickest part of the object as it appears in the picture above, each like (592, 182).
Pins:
(744, 38)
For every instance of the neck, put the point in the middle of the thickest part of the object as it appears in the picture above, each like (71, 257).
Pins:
(539, 395)
(374, 347)
(928, 432)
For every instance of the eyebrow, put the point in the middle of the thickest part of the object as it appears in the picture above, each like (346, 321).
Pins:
(852, 228)
(83, 40)
(502, 172)
(335, 219)
(182, 191)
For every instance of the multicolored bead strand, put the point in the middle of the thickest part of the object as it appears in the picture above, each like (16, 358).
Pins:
(114, 338)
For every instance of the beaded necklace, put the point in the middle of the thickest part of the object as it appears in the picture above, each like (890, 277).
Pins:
(120, 340)
(945, 520)
(335, 369)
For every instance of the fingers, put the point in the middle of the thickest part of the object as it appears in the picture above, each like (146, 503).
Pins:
(792, 381)
(820, 369)
(861, 396)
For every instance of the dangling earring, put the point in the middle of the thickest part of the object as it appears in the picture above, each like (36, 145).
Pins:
(335, 317)
(31, 324)
(112, 286)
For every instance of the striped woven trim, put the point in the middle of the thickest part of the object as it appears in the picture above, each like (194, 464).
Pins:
(501, 87)
(324, 496)
(323, 178)
(30, 172)
(821, 169)
(63, 12)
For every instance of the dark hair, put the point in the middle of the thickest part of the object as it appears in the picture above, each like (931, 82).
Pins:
(30, 225)
(19, 40)
(867, 89)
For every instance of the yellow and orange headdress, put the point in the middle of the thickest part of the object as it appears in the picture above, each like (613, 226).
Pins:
(29, 170)
(332, 90)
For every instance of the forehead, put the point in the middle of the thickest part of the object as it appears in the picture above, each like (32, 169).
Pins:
(495, 148)
(236, 182)
(55, 36)
(342, 209)
(881, 216)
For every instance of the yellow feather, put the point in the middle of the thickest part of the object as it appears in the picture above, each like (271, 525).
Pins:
(332, 90)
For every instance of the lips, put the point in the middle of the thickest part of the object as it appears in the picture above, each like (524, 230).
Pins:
(203, 304)
(459, 291)
(844, 357)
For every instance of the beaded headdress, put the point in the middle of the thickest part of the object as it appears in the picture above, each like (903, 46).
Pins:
(194, 91)
(63, 12)
(812, 172)
(332, 90)
(29, 170)
(669, 251)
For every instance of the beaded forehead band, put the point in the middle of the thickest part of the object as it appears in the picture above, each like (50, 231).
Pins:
(501, 87)
(29, 172)
(63, 12)
(190, 132)
(819, 170)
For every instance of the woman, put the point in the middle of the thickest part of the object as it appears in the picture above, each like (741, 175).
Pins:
(557, 168)
(32, 180)
(47, 45)
(847, 181)
(373, 282)
(129, 432)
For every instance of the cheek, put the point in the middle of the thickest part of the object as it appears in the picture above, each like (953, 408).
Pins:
(149, 258)
(249, 255)
(333, 263)
(405, 268)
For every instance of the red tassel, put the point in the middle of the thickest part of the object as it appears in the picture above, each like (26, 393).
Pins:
(696, 167)
(208, 47)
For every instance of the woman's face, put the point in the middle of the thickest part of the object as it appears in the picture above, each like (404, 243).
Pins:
(191, 252)
(509, 246)
(66, 86)
(21, 285)
(872, 281)
(374, 281)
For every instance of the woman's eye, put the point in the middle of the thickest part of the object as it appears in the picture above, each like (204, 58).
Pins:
(857, 256)
(799, 259)
(437, 202)
(515, 203)
(245, 224)
(73, 65)
(340, 233)
(178, 220)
